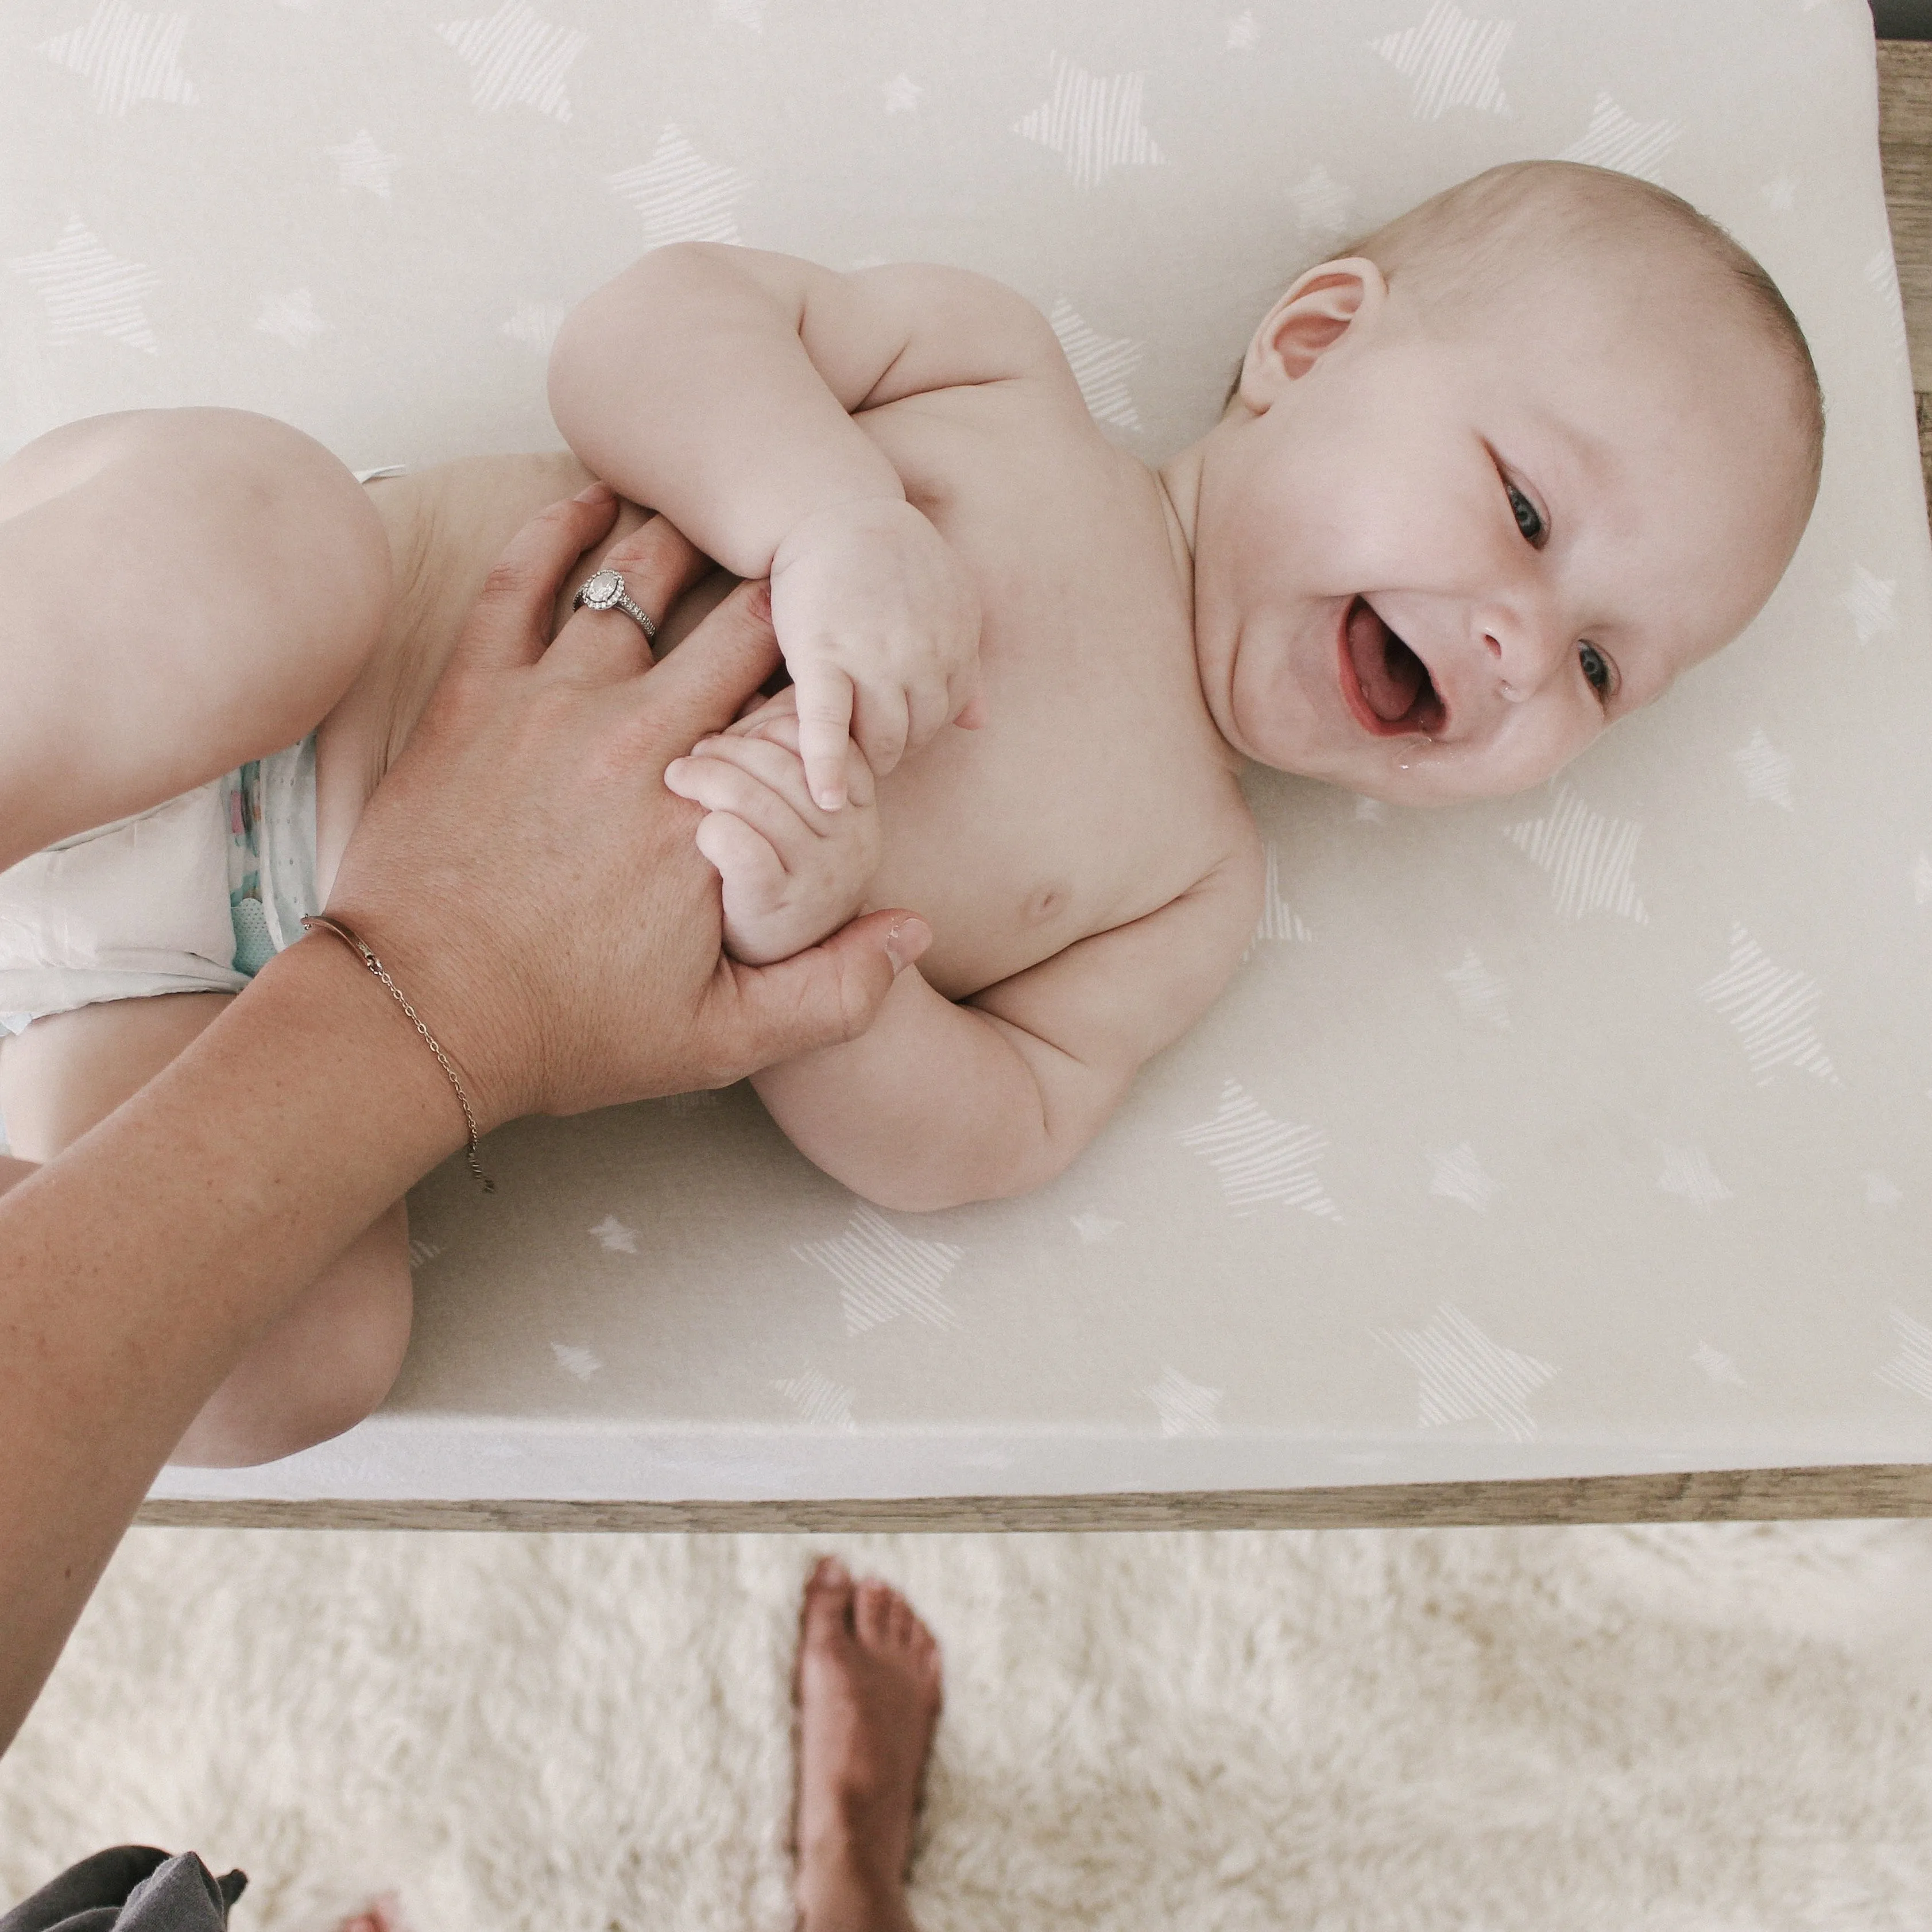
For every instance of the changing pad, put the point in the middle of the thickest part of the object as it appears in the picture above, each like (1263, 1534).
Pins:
(1581, 1133)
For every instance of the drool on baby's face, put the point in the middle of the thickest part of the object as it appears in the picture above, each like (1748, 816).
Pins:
(1440, 547)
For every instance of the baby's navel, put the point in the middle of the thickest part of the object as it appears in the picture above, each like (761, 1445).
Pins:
(1043, 903)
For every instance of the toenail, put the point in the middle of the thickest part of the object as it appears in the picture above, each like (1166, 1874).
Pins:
(833, 1571)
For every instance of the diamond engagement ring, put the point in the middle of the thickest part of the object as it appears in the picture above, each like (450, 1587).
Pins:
(605, 592)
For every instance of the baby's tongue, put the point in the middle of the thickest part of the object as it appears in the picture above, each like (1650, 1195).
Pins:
(1390, 672)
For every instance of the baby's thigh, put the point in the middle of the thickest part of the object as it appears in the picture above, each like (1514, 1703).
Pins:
(326, 1364)
(69, 1070)
(330, 1357)
(181, 590)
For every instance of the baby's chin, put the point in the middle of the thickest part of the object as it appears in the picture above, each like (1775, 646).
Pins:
(1423, 776)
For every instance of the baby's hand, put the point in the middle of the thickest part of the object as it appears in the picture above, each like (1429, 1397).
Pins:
(792, 872)
(880, 628)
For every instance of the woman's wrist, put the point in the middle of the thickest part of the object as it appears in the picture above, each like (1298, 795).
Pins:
(356, 1040)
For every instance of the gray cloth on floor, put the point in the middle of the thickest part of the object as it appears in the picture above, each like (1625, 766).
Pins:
(130, 1888)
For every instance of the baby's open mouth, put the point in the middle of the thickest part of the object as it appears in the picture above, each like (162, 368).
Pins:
(1387, 686)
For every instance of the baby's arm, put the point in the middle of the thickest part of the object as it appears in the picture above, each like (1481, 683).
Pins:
(938, 1104)
(716, 385)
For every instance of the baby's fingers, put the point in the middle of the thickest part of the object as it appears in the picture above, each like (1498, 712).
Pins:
(779, 729)
(964, 698)
(741, 856)
(723, 785)
(882, 726)
(824, 702)
(928, 706)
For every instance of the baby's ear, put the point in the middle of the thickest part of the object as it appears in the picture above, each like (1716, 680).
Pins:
(1319, 308)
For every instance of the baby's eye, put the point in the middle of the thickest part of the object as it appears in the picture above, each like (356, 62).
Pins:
(1597, 669)
(1528, 519)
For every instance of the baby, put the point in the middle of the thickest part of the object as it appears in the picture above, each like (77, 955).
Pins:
(1482, 487)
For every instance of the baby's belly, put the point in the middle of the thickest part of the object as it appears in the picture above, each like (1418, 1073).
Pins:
(1006, 880)
(977, 943)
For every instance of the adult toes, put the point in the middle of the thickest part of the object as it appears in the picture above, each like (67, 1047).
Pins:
(872, 1613)
(903, 1623)
(827, 1612)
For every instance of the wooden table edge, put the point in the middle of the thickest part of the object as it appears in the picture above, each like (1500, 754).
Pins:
(1874, 1489)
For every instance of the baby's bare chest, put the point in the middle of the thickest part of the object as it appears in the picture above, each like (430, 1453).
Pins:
(1097, 789)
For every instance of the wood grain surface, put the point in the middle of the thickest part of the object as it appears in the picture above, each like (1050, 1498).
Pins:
(1874, 1489)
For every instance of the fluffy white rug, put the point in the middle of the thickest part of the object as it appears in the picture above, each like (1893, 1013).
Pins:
(1726, 1728)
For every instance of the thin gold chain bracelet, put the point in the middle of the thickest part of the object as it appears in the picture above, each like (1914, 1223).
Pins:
(375, 965)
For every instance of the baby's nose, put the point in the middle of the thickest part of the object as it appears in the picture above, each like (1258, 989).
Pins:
(1523, 651)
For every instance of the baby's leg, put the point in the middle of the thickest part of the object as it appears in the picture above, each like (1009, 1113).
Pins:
(332, 1357)
(181, 591)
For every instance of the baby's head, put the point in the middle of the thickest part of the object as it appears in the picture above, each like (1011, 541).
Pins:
(1490, 482)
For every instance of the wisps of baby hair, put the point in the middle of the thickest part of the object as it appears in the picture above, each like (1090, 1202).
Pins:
(1466, 244)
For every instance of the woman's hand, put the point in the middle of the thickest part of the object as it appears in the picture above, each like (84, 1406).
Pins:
(536, 891)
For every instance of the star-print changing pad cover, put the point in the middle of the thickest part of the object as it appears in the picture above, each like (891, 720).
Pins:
(1583, 1132)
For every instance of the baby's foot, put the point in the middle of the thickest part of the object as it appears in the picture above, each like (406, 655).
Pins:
(868, 1698)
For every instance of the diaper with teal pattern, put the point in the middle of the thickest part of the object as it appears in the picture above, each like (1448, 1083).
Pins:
(269, 804)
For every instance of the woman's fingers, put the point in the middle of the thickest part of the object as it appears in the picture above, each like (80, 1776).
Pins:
(658, 563)
(697, 689)
(534, 884)
(823, 996)
(509, 623)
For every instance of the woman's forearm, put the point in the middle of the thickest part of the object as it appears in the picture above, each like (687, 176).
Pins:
(137, 1267)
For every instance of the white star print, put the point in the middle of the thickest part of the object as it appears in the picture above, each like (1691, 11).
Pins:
(292, 317)
(1614, 140)
(535, 325)
(578, 1362)
(519, 59)
(1101, 364)
(611, 1234)
(1092, 1227)
(1452, 59)
(89, 291)
(1464, 1375)
(1185, 1408)
(361, 163)
(1718, 1366)
(1460, 1177)
(1588, 856)
(882, 1273)
(1093, 123)
(128, 56)
(680, 196)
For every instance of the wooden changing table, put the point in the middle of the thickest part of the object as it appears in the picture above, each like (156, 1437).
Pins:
(1879, 1489)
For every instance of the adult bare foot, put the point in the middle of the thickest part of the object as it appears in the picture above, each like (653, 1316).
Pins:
(869, 1699)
